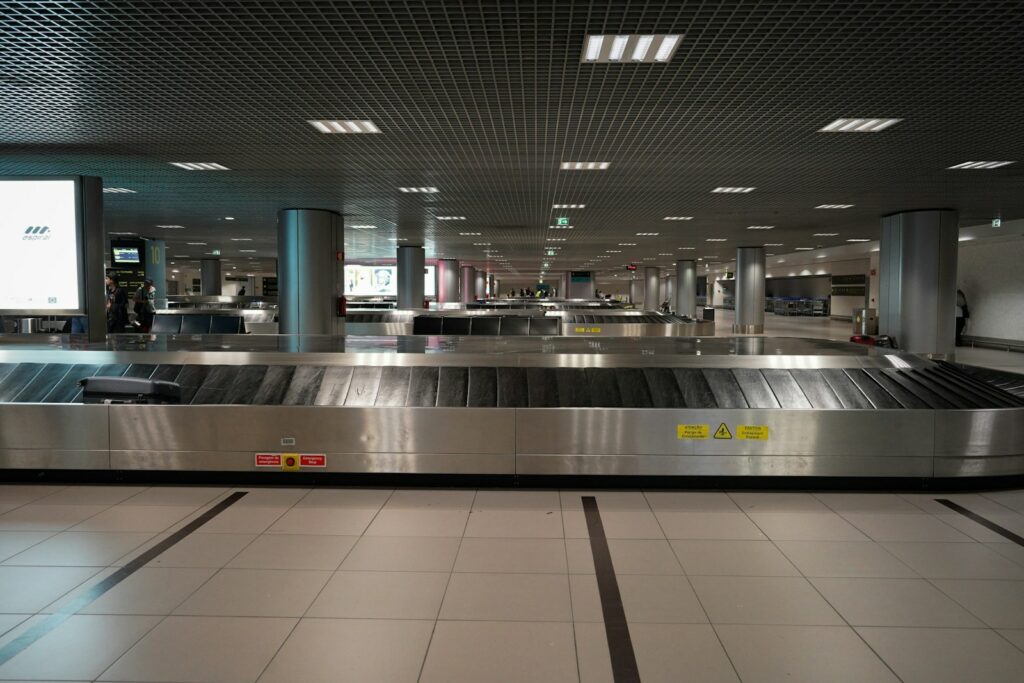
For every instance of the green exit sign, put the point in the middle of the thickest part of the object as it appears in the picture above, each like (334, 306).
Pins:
(563, 220)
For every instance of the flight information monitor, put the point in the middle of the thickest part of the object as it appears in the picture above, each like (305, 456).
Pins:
(126, 255)
(41, 261)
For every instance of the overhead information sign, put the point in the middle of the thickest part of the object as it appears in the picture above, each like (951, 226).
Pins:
(40, 234)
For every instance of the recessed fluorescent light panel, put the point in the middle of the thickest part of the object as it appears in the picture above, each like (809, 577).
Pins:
(470, 234)
(825, 234)
(626, 49)
(716, 239)
(627, 244)
(858, 239)
(585, 165)
(859, 125)
(568, 206)
(196, 244)
(172, 227)
(556, 239)
(677, 218)
(975, 165)
(247, 251)
(450, 218)
(363, 227)
(805, 248)
(199, 166)
(117, 190)
(121, 233)
(834, 206)
(422, 190)
(760, 227)
(326, 126)
(773, 244)
(734, 190)
(687, 248)
(648, 234)
(560, 227)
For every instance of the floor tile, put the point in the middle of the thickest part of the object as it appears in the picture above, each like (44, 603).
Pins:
(543, 501)
(969, 527)
(431, 499)
(664, 652)
(515, 523)
(92, 495)
(150, 590)
(13, 542)
(254, 519)
(867, 503)
(543, 555)
(709, 525)
(402, 554)
(500, 652)
(629, 556)
(202, 649)
(762, 600)
(80, 548)
(9, 621)
(203, 550)
(345, 498)
(1010, 551)
(733, 558)
(299, 551)
(381, 595)
(136, 518)
(30, 589)
(941, 655)
(616, 523)
(777, 501)
(194, 496)
(1014, 636)
(975, 502)
(691, 501)
(20, 494)
(1011, 499)
(39, 517)
(270, 496)
(905, 527)
(801, 654)
(1000, 604)
(844, 558)
(408, 522)
(645, 599)
(330, 650)
(806, 526)
(893, 602)
(330, 521)
(955, 561)
(507, 597)
(256, 593)
(607, 501)
(81, 648)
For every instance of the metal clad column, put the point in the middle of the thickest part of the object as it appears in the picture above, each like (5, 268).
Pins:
(94, 246)
(467, 284)
(636, 292)
(686, 288)
(651, 286)
(480, 284)
(750, 272)
(668, 291)
(310, 274)
(209, 277)
(410, 277)
(492, 284)
(447, 272)
(917, 285)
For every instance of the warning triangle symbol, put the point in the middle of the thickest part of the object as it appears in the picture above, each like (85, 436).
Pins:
(723, 432)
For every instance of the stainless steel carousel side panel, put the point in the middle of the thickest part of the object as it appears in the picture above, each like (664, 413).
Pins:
(755, 442)
(59, 437)
(226, 438)
(979, 443)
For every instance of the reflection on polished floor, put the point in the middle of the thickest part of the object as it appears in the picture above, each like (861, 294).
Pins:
(290, 584)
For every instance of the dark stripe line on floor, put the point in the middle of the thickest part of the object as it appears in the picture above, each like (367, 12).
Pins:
(988, 524)
(620, 645)
(19, 644)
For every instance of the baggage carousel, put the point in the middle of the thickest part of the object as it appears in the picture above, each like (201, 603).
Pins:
(719, 406)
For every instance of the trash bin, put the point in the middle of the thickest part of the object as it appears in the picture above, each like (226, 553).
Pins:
(865, 321)
(709, 313)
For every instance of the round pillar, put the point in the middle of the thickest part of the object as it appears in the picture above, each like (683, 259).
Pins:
(310, 271)
(651, 286)
(410, 277)
(480, 284)
(467, 284)
(636, 292)
(447, 271)
(686, 288)
(209, 277)
(750, 271)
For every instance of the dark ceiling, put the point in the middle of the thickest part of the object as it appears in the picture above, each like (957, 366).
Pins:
(484, 100)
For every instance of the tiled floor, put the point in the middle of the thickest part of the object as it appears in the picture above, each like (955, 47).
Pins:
(294, 585)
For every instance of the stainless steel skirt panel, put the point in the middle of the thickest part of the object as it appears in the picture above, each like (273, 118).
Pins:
(724, 466)
(48, 436)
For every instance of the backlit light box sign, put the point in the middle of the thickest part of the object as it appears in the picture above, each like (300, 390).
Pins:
(380, 280)
(40, 247)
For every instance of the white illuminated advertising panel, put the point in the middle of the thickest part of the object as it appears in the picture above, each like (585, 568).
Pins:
(40, 247)
(380, 280)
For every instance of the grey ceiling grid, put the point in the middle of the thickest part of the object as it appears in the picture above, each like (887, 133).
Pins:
(484, 99)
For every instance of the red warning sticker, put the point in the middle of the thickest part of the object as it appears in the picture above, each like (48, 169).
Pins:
(268, 460)
(313, 460)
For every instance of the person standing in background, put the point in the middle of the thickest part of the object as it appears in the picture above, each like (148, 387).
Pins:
(962, 314)
(145, 310)
(117, 307)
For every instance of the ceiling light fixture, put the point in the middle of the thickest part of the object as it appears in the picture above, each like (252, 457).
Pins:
(247, 251)
(825, 234)
(973, 165)
(172, 227)
(760, 227)
(560, 227)
(677, 218)
(568, 206)
(627, 244)
(640, 48)
(241, 239)
(229, 218)
(328, 126)
(859, 125)
(613, 251)
(858, 239)
(716, 239)
(199, 166)
(421, 190)
(117, 190)
(806, 248)
(363, 227)
(122, 233)
(585, 165)
(834, 206)
(734, 190)
(196, 244)
(556, 239)
(450, 218)
(648, 234)
(773, 244)
(687, 248)
(470, 234)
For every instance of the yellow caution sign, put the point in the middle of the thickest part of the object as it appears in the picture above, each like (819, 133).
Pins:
(290, 462)
(723, 432)
(752, 432)
(693, 431)
(588, 330)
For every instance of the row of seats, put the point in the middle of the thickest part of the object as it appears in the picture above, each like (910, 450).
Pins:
(171, 323)
(486, 325)
(372, 317)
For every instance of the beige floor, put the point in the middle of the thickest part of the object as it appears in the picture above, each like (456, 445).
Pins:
(461, 585)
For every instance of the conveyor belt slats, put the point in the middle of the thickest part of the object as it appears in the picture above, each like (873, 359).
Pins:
(166, 373)
(483, 388)
(305, 386)
(816, 389)
(542, 385)
(453, 387)
(726, 390)
(190, 379)
(394, 386)
(896, 389)
(989, 394)
(333, 389)
(274, 386)
(786, 389)
(67, 389)
(214, 389)
(423, 387)
(873, 390)
(755, 388)
(920, 393)
(246, 384)
(43, 383)
(6, 369)
(633, 389)
(512, 389)
(18, 379)
(696, 390)
(364, 387)
(848, 393)
(956, 387)
(925, 385)
(604, 387)
(573, 388)
(140, 370)
(664, 388)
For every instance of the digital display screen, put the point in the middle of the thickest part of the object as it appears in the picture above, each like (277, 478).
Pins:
(40, 249)
(126, 255)
(380, 280)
